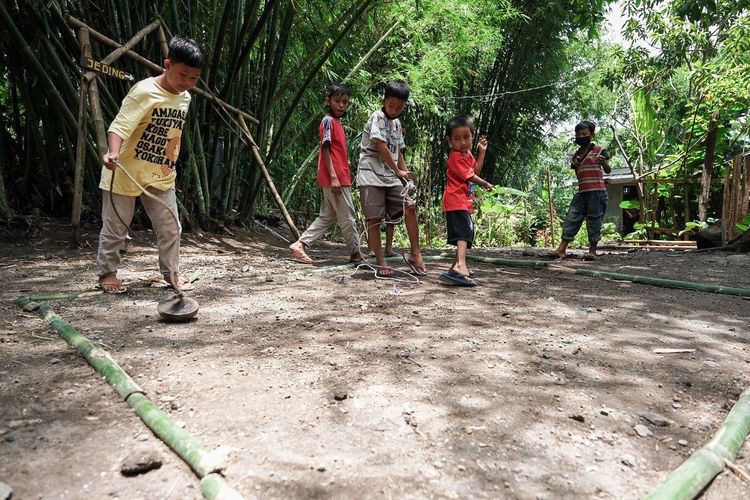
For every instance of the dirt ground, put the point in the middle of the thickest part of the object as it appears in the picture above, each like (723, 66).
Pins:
(335, 385)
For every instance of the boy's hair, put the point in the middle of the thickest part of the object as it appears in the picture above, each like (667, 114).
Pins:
(586, 124)
(185, 51)
(460, 121)
(398, 89)
(339, 89)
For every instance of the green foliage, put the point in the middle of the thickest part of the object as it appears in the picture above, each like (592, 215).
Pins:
(629, 204)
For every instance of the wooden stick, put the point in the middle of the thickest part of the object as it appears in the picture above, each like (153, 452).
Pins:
(75, 217)
(267, 177)
(118, 52)
(737, 470)
(75, 23)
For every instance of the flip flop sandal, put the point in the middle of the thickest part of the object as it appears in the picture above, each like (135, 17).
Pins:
(301, 261)
(415, 269)
(117, 283)
(458, 279)
(185, 287)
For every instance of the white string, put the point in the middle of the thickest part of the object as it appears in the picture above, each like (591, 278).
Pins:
(409, 187)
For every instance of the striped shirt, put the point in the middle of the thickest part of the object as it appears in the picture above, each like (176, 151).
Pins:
(588, 170)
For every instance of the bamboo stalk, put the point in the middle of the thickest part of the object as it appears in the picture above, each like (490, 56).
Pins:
(62, 296)
(268, 179)
(690, 478)
(685, 285)
(94, 354)
(534, 264)
(75, 218)
(179, 440)
(31, 61)
(214, 487)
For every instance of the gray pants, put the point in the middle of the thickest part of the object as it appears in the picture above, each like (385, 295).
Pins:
(335, 207)
(114, 231)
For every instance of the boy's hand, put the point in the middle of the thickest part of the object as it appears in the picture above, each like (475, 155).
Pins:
(489, 186)
(110, 160)
(482, 144)
(335, 185)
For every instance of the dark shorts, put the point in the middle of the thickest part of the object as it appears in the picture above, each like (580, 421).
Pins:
(460, 227)
(383, 202)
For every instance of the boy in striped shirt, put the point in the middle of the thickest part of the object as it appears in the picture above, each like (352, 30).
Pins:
(590, 202)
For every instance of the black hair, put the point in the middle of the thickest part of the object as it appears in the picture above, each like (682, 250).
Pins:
(185, 51)
(398, 89)
(459, 121)
(338, 89)
(586, 124)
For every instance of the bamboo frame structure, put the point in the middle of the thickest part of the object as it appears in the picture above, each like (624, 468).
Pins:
(89, 88)
(736, 193)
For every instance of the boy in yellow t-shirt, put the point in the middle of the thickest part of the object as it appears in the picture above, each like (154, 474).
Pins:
(145, 139)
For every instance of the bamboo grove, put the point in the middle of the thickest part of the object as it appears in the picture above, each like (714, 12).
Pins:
(519, 66)
(274, 59)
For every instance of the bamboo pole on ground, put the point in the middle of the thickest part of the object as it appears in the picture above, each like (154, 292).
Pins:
(204, 464)
(690, 478)
(254, 147)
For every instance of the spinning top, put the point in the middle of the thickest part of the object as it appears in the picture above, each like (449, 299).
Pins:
(178, 308)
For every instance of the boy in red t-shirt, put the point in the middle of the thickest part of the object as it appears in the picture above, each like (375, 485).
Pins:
(463, 171)
(334, 180)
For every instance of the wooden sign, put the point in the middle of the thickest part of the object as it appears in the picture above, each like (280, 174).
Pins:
(105, 69)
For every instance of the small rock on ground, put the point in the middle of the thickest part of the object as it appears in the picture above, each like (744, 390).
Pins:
(656, 419)
(5, 491)
(643, 431)
(140, 462)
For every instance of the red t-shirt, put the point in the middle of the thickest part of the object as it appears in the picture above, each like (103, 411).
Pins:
(332, 132)
(457, 195)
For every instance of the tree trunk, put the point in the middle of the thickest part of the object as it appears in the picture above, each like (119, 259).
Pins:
(708, 166)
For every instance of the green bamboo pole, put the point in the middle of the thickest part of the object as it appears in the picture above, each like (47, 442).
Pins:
(685, 285)
(214, 487)
(690, 478)
(180, 441)
(59, 296)
(93, 353)
(534, 264)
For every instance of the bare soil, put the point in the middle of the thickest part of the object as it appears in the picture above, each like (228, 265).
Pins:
(339, 385)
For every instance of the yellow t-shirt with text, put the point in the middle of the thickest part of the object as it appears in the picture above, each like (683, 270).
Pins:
(150, 123)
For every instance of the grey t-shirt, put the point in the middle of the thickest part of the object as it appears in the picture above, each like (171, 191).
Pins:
(372, 171)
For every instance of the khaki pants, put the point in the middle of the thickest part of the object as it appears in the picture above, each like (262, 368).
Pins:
(335, 207)
(114, 231)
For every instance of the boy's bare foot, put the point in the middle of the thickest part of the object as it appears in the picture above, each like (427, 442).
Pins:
(112, 284)
(298, 253)
(182, 283)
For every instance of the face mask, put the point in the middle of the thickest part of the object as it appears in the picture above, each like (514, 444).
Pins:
(583, 141)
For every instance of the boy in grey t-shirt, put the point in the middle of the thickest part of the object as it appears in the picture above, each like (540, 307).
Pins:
(382, 176)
